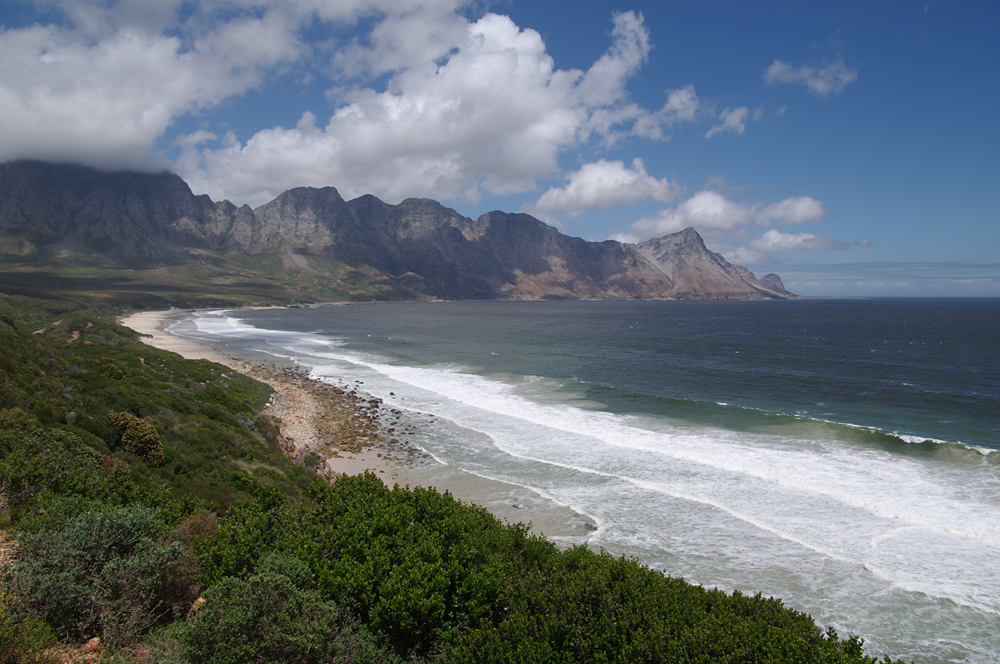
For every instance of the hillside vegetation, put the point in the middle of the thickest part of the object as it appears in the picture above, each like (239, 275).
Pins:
(151, 507)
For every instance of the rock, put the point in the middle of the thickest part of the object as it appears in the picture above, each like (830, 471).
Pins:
(773, 282)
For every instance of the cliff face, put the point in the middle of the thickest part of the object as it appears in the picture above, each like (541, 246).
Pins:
(70, 215)
(697, 272)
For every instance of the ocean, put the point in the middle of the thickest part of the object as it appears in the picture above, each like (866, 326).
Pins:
(842, 455)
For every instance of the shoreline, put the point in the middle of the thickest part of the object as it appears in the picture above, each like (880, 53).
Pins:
(343, 430)
(353, 432)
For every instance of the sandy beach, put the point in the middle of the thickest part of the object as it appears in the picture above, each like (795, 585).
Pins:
(352, 432)
(348, 433)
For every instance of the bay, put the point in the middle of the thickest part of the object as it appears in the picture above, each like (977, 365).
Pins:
(838, 454)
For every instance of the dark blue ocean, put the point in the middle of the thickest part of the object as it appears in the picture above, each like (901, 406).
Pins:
(843, 455)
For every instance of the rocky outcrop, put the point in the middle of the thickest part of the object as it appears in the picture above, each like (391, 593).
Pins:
(63, 214)
(697, 273)
(773, 282)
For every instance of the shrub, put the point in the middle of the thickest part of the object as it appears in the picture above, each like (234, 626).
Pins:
(23, 641)
(139, 437)
(99, 576)
(112, 368)
(38, 461)
(439, 577)
(15, 419)
(268, 618)
(191, 533)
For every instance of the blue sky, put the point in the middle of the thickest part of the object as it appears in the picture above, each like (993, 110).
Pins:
(851, 147)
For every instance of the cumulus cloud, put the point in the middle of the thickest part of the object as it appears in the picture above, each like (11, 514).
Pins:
(796, 210)
(825, 81)
(601, 185)
(424, 101)
(716, 216)
(604, 82)
(65, 95)
(734, 120)
(775, 240)
(611, 124)
(707, 211)
(481, 110)
(728, 225)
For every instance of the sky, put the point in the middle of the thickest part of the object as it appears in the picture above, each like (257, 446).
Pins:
(851, 147)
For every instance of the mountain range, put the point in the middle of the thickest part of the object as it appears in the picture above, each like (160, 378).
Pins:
(81, 227)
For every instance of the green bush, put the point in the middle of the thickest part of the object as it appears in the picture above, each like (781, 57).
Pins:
(111, 368)
(437, 576)
(16, 419)
(139, 437)
(40, 461)
(203, 435)
(49, 477)
(24, 641)
(101, 575)
(268, 618)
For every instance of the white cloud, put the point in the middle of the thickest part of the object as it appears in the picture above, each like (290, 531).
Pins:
(707, 211)
(403, 39)
(601, 185)
(604, 82)
(716, 216)
(726, 225)
(775, 240)
(682, 106)
(744, 256)
(795, 210)
(734, 120)
(486, 112)
(426, 101)
(66, 96)
(825, 81)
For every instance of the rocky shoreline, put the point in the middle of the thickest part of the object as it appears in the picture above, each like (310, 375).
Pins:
(333, 424)
(336, 430)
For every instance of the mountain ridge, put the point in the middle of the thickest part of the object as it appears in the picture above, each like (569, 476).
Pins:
(313, 242)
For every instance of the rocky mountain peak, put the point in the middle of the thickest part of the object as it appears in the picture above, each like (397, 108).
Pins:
(419, 247)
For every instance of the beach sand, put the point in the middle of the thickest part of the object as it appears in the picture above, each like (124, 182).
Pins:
(353, 433)
(344, 429)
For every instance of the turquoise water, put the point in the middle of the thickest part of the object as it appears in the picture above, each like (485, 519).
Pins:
(838, 454)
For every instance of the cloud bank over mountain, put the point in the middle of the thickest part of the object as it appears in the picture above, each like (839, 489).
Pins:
(617, 123)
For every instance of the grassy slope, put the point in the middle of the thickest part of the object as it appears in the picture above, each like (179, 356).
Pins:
(206, 281)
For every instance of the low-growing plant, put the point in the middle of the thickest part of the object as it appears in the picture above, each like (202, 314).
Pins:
(101, 575)
(270, 618)
(439, 577)
(24, 641)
